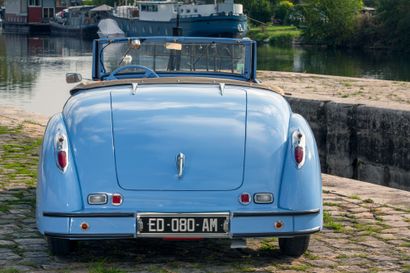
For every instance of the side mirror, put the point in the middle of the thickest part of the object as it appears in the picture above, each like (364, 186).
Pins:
(73, 77)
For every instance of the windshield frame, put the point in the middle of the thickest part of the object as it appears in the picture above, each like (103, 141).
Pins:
(99, 73)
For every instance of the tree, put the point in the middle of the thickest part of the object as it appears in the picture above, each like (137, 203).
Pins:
(101, 2)
(393, 19)
(282, 10)
(261, 10)
(331, 22)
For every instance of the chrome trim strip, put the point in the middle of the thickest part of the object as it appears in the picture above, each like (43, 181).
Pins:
(89, 236)
(183, 235)
(183, 214)
(277, 234)
(89, 214)
(274, 213)
(173, 80)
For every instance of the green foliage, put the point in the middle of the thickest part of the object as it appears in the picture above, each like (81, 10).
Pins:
(9, 270)
(331, 22)
(99, 2)
(330, 223)
(261, 10)
(100, 267)
(393, 19)
(282, 10)
(275, 35)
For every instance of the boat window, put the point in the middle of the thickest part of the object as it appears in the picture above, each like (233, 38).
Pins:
(149, 8)
(184, 58)
(188, 11)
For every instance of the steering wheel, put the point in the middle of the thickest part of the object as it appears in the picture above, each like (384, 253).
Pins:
(149, 73)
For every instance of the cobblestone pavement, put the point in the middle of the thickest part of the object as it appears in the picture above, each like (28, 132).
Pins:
(360, 235)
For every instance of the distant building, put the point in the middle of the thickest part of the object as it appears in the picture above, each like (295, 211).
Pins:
(16, 11)
(368, 11)
(34, 11)
(30, 15)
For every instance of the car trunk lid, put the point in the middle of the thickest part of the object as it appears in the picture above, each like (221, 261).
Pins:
(152, 126)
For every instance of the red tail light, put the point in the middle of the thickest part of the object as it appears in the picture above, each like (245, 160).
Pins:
(61, 148)
(299, 148)
(116, 199)
(62, 159)
(299, 154)
(245, 198)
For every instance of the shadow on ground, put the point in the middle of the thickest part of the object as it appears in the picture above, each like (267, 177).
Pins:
(24, 249)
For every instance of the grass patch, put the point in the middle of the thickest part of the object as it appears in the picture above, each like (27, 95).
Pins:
(299, 267)
(330, 223)
(355, 197)
(4, 207)
(406, 268)
(278, 35)
(342, 256)
(3, 130)
(406, 244)
(157, 269)
(330, 204)
(102, 268)
(347, 84)
(20, 158)
(309, 255)
(244, 268)
(268, 244)
(10, 131)
(9, 270)
(367, 228)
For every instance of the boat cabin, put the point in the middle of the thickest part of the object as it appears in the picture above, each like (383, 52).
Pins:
(167, 10)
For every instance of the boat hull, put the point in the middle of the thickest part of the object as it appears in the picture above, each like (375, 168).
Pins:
(84, 31)
(203, 26)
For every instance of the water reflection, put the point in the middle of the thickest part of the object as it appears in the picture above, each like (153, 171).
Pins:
(353, 63)
(32, 70)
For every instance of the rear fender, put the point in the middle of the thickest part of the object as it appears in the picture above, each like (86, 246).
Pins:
(301, 188)
(56, 190)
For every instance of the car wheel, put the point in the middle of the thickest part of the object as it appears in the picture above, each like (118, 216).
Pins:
(60, 247)
(295, 246)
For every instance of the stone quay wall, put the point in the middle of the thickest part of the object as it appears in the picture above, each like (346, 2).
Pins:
(360, 142)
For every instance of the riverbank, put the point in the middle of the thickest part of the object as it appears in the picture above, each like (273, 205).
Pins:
(273, 34)
(366, 227)
(361, 125)
(361, 91)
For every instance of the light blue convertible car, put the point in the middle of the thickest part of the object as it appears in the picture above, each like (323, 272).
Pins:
(175, 138)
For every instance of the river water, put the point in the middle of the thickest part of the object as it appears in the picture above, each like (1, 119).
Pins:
(32, 69)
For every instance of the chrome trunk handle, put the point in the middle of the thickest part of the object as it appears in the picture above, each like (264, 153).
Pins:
(180, 164)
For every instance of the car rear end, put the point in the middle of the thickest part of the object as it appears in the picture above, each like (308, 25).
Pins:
(179, 161)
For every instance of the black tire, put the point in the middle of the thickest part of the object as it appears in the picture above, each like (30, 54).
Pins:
(60, 247)
(294, 247)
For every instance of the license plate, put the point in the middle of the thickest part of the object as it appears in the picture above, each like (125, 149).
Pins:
(183, 224)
